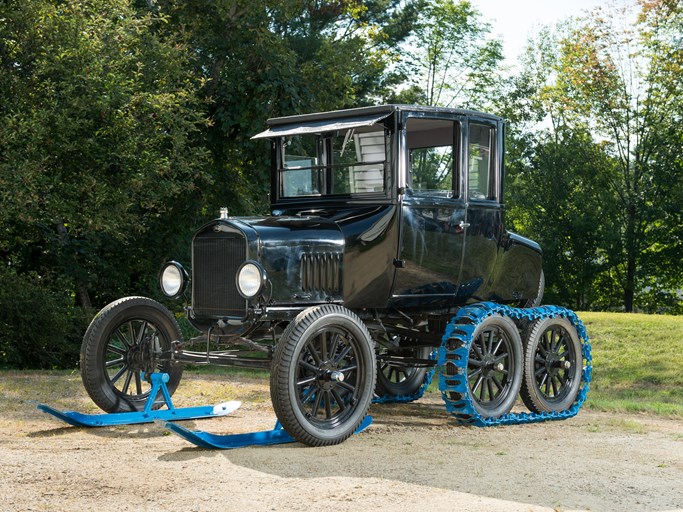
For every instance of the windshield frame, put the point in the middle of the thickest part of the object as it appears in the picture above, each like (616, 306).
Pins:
(279, 168)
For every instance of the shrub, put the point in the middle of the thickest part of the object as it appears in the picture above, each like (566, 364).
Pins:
(40, 327)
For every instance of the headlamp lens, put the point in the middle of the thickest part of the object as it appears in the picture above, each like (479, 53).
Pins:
(249, 280)
(172, 280)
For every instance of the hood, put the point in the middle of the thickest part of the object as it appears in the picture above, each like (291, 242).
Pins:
(302, 255)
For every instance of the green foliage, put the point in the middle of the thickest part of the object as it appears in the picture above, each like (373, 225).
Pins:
(101, 160)
(450, 60)
(616, 228)
(99, 118)
(556, 199)
(39, 327)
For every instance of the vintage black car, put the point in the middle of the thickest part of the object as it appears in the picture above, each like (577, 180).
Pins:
(384, 222)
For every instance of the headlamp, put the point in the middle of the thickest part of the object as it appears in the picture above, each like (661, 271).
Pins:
(173, 279)
(251, 279)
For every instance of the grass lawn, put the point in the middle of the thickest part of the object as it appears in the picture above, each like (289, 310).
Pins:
(637, 362)
(637, 367)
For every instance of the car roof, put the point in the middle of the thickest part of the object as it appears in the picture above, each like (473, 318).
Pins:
(375, 110)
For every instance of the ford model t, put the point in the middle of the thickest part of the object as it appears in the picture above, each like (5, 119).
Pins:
(385, 247)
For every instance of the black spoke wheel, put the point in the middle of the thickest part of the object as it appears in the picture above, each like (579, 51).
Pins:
(552, 366)
(323, 375)
(494, 366)
(536, 301)
(395, 379)
(127, 338)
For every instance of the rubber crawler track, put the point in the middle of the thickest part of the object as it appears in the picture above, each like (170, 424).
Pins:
(459, 333)
(454, 350)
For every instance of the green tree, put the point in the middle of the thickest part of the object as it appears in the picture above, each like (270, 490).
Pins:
(661, 22)
(560, 197)
(611, 76)
(604, 76)
(100, 160)
(450, 59)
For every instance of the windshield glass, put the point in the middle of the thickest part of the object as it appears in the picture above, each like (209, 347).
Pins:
(343, 162)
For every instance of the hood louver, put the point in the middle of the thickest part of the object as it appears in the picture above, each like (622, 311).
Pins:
(321, 272)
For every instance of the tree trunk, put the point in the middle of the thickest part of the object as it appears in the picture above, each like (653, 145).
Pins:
(84, 300)
(82, 295)
(631, 259)
(629, 288)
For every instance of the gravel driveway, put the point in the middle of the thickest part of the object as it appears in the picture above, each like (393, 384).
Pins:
(412, 457)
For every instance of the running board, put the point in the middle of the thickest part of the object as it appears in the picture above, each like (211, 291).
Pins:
(148, 414)
(226, 442)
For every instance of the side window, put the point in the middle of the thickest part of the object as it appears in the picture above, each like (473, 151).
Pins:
(431, 149)
(481, 165)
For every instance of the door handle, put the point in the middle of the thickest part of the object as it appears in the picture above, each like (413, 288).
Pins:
(463, 224)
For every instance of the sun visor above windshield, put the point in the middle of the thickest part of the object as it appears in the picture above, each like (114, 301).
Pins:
(322, 126)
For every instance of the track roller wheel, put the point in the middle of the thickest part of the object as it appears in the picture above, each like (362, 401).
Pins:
(494, 367)
(552, 365)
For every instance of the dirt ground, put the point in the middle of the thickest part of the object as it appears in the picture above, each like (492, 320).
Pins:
(413, 457)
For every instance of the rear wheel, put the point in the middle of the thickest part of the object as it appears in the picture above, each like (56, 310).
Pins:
(323, 375)
(552, 366)
(124, 340)
(396, 379)
(494, 366)
(536, 301)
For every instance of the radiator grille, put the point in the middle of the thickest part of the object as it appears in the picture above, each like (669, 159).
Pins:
(321, 272)
(215, 260)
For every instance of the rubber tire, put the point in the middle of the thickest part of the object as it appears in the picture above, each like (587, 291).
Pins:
(536, 301)
(509, 327)
(531, 394)
(285, 366)
(411, 385)
(93, 351)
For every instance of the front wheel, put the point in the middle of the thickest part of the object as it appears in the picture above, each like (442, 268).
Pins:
(125, 339)
(323, 375)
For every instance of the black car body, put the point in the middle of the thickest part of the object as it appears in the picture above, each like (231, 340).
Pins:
(370, 232)
(384, 222)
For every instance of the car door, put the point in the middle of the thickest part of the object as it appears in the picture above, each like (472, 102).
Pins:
(484, 209)
(433, 213)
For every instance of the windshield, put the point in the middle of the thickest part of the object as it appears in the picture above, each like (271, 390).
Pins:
(342, 162)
